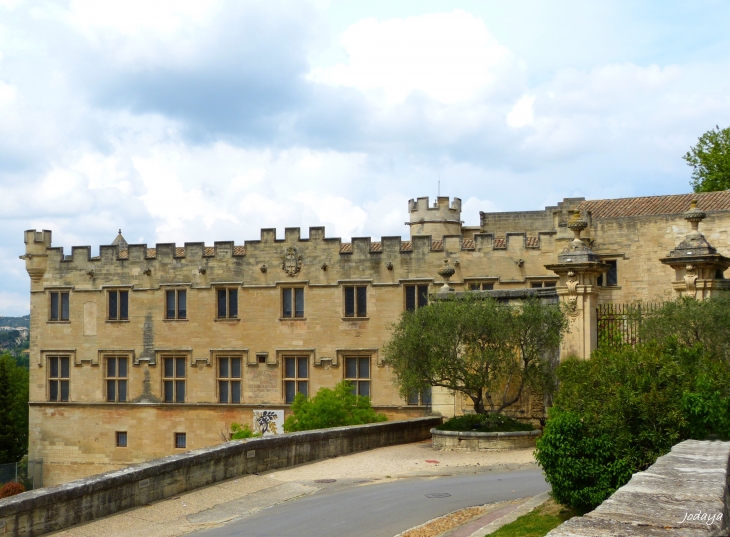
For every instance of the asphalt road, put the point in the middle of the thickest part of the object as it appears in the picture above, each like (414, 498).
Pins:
(381, 510)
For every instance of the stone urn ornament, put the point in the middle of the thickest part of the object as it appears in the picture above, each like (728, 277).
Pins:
(446, 272)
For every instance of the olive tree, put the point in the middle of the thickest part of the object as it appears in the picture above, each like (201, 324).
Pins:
(474, 345)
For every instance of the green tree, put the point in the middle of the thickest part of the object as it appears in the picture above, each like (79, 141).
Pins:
(473, 345)
(710, 159)
(617, 412)
(331, 408)
(13, 410)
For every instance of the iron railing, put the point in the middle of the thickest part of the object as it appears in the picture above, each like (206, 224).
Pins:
(620, 324)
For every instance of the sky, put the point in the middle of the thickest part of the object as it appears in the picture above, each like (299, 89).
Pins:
(206, 120)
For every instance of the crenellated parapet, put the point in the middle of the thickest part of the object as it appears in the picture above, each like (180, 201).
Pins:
(443, 218)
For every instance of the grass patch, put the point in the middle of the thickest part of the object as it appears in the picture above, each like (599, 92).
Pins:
(484, 423)
(538, 522)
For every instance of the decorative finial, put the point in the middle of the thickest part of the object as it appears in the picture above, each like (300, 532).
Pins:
(577, 224)
(120, 231)
(446, 272)
(694, 216)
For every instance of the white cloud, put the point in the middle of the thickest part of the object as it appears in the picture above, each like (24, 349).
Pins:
(450, 57)
(521, 113)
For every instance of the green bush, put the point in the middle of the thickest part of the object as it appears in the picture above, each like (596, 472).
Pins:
(331, 408)
(617, 412)
(241, 432)
(484, 423)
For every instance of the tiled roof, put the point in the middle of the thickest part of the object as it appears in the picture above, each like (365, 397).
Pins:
(437, 245)
(209, 251)
(346, 248)
(406, 246)
(376, 246)
(124, 254)
(179, 252)
(500, 243)
(532, 242)
(468, 244)
(679, 203)
(239, 250)
(151, 253)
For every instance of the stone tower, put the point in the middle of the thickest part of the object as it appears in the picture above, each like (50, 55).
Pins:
(440, 220)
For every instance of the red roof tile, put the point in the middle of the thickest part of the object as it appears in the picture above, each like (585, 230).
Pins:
(500, 243)
(346, 248)
(123, 254)
(376, 246)
(406, 246)
(675, 204)
(532, 242)
(151, 253)
(468, 244)
(239, 250)
(437, 245)
(209, 251)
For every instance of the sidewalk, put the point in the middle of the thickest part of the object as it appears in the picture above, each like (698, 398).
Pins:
(245, 495)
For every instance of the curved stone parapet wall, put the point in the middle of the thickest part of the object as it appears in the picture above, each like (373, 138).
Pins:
(474, 441)
(684, 493)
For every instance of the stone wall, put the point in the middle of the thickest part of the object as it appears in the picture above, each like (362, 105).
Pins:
(683, 494)
(46, 510)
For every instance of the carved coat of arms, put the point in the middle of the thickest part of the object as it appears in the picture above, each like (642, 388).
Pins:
(291, 261)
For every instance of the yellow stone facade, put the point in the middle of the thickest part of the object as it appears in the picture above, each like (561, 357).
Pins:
(351, 293)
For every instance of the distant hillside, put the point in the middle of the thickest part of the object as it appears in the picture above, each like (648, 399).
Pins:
(15, 321)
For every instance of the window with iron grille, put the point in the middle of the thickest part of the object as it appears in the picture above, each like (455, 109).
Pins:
(173, 380)
(420, 398)
(176, 304)
(481, 286)
(58, 378)
(292, 301)
(181, 440)
(121, 437)
(118, 305)
(356, 301)
(610, 278)
(227, 303)
(59, 306)
(229, 379)
(296, 377)
(416, 296)
(357, 371)
(116, 379)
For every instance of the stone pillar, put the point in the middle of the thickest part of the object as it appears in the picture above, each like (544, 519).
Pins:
(698, 268)
(579, 268)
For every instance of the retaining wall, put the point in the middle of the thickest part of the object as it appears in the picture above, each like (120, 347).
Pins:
(45, 510)
(475, 441)
(684, 493)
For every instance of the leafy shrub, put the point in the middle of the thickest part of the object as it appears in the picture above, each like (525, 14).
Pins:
(331, 408)
(241, 432)
(617, 412)
(11, 489)
(484, 423)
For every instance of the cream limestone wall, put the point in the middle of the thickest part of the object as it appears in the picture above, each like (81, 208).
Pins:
(77, 438)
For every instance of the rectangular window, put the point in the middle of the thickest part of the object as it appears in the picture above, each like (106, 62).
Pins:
(416, 297)
(173, 379)
(229, 379)
(116, 379)
(59, 306)
(422, 398)
(121, 438)
(181, 440)
(356, 301)
(296, 377)
(357, 371)
(58, 378)
(481, 286)
(535, 285)
(292, 299)
(611, 276)
(118, 305)
(227, 303)
(176, 304)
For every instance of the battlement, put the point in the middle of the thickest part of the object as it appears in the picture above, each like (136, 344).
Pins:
(420, 210)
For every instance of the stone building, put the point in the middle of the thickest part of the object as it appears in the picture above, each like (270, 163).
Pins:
(144, 351)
